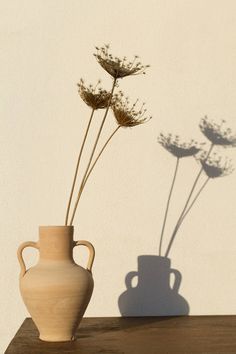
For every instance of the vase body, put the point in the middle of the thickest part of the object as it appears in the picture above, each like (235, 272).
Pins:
(56, 291)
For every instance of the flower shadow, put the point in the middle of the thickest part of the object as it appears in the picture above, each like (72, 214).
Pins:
(153, 295)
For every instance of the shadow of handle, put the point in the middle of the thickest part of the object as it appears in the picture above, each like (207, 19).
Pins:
(178, 278)
(128, 279)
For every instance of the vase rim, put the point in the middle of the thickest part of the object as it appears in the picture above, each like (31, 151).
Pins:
(56, 227)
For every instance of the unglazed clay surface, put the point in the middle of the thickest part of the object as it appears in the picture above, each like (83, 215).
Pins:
(56, 291)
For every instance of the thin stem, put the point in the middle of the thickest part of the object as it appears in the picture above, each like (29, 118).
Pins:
(91, 169)
(186, 204)
(99, 155)
(168, 204)
(93, 151)
(77, 167)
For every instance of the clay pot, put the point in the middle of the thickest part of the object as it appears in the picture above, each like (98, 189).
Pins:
(56, 291)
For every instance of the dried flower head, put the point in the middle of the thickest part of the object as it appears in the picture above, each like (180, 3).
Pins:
(94, 96)
(116, 67)
(218, 134)
(179, 149)
(215, 166)
(128, 115)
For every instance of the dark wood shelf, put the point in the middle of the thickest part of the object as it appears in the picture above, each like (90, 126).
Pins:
(137, 335)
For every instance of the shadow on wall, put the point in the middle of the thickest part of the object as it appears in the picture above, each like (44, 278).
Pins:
(153, 295)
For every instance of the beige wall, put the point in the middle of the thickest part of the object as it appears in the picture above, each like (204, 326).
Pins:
(46, 46)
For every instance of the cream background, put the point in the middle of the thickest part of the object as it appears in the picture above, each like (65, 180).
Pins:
(46, 46)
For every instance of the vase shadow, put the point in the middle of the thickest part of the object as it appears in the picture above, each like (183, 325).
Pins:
(153, 295)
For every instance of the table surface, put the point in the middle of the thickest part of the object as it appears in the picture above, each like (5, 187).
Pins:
(136, 335)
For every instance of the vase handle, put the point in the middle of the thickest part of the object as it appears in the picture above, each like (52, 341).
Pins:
(20, 255)
(91, 252)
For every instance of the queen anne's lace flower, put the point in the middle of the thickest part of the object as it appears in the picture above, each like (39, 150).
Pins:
(94, 96)
(179, 149)
(218, 134)
(215, 166)
(116, 67)
(126, 115)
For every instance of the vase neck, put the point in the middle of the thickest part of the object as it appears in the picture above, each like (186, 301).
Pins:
(56, 243)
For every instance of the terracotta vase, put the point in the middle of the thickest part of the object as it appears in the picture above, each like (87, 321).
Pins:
(56, 291)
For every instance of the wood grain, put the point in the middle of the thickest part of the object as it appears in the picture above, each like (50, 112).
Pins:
(149, 335)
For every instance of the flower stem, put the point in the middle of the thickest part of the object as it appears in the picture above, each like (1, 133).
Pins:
(93, 151)
(186, 204)
(77, 167)
(100, 153)
(168, 204)
(91, 169)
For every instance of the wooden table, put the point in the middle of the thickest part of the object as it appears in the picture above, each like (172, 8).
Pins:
(149, 335)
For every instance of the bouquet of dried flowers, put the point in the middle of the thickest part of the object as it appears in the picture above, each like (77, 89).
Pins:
(96, 98)
(211, 164)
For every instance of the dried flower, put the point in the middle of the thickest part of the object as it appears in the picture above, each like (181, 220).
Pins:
(175, 147)
(218, 134)
(126, 115)
(116, 67)
(94, 97)
(215, 166)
